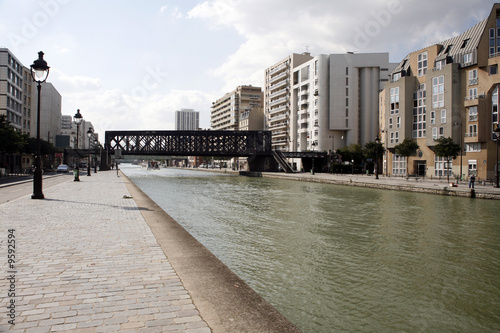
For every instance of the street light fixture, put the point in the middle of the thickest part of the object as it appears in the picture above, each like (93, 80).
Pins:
(90, 133)
(377, 141)
(78, 120)
(39, 73)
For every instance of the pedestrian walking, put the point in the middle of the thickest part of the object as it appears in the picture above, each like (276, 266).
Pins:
(472, 179)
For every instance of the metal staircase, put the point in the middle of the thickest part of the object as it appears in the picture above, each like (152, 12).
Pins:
(280, 158)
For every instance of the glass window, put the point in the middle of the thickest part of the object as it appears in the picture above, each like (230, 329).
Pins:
(422, 64)
(398, 165)
(443, 116)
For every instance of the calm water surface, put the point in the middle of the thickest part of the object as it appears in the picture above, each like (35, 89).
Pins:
(345, 259)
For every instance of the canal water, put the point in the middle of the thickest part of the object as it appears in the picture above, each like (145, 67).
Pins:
(345, 259)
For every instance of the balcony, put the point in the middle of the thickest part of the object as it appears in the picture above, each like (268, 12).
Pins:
(279, 93)
(278, 77)
(278, 126)
(278, 101)
(473, 82)
(280, 117)
(473, 117)
(471, 135)
(278, 109)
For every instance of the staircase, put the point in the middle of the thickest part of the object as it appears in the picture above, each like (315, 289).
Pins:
(278, 156)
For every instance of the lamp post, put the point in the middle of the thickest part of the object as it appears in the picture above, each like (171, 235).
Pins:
(312, 167)
(39, 73)
(461, 149)
(377, 141)
(78, 120)
(90, 133)
(95, 158)
(497, 132)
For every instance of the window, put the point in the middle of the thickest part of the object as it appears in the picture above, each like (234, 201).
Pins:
(443, 116)
(467, 58)
(465, 42)
(422, 64)
(472, 77)
(472, 167)
(439, 64)
(441, 132)
(396, 76)
(398, 122)
(473, 147)
(493, 69)
(437, 132)
(396, 137)
(473, 113)
(494, 112)
(438, 91)
(472, 93)
(442, 167)
(419, 112)
(472, 131)
(398, 165)
(433, 117)
(394, 100)
(390, 122)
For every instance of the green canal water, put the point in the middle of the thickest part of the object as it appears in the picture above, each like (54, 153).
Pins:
(345, 259)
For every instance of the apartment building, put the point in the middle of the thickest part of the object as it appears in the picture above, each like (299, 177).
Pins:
(11, 89)
(336, 100)
(187, 120)
(50, 111)
(240, 109)
(278, 99)
(449, 89)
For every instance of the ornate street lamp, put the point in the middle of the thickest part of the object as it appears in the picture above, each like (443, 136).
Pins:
(39, 73)
(90, 133)
(377, 141)
(78, 120)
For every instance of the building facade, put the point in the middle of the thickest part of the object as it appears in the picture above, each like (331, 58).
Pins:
(50, 112)
(11, 89)
(187, 120)
(240, 109)
(449, 89)
(278, 100)
(335, 100)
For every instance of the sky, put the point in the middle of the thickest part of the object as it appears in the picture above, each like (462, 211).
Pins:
(129, 65)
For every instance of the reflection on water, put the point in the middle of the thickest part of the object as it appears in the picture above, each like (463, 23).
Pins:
(340, 258)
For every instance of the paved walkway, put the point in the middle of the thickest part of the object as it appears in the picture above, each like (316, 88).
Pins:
(86, 261)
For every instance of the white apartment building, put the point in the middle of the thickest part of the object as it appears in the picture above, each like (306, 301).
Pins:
(187, 120)
(334, 100)
(11, 88)
(240, 109)
(278, 99)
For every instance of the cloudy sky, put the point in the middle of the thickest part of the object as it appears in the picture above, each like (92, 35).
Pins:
(131, 64)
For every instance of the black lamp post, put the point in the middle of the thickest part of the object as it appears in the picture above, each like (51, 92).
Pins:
(312, 167)
(39, 73)
(95, 158)
(78, 120)
(90, 133)
(497, 132)
(377, 141)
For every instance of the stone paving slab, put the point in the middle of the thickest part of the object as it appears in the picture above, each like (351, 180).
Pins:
(86, 261)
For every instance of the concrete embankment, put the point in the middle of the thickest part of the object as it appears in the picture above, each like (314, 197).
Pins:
(224, 301)
(421, 185)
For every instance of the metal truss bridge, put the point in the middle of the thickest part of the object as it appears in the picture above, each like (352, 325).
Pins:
(190, 143)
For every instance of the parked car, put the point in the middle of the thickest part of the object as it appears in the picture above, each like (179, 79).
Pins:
(62, 168)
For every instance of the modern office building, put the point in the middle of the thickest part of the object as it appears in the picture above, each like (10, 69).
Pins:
(240, 109)
(335, 100)
(449, 89)
(187, 120)
(278, 99)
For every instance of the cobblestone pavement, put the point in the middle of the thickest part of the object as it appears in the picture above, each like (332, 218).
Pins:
(86, 261)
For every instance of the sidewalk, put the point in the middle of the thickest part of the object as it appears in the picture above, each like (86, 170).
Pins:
(86, 261)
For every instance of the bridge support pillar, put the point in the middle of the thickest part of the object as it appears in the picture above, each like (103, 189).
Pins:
(262, 163)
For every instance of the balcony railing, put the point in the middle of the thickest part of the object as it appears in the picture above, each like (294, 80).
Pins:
(471, 134)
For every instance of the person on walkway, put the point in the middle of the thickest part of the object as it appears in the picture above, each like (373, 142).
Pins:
(472, 179)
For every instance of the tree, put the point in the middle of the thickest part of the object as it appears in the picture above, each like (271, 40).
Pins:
(374, 150)
(11, 141)
(406, 149)
(447, 149)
